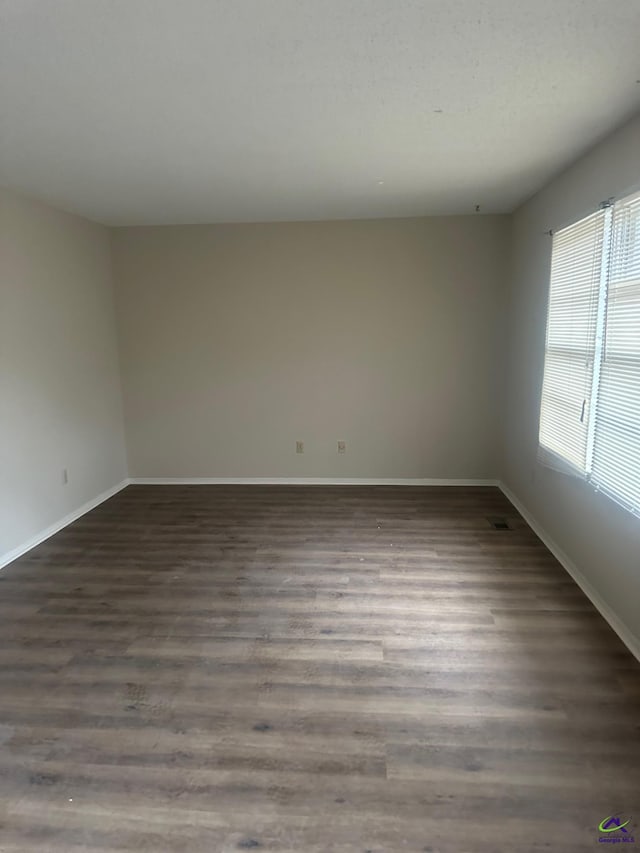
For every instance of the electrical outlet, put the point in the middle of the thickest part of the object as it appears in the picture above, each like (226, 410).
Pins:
(65, 476)
(299, 446)
(342, 447)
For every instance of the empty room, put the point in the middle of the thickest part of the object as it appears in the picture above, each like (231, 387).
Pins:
(319, 426)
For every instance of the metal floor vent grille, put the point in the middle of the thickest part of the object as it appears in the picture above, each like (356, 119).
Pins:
(499, 523)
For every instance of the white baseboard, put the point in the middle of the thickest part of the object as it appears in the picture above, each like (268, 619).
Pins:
(9, 557)
(625, 634)
(303, 481)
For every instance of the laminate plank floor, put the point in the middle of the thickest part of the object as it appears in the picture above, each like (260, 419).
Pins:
(284, 668)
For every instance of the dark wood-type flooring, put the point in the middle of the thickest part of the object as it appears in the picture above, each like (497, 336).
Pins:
(308, 669)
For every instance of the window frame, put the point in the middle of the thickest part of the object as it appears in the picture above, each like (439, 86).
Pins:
(569, 437)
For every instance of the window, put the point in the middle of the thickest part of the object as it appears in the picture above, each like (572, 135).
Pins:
(590, 408)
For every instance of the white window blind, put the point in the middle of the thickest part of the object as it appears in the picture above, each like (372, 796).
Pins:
(616, 447)
(576, 268)
(590, 407)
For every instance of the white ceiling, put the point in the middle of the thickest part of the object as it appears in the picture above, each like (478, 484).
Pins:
(185, 111)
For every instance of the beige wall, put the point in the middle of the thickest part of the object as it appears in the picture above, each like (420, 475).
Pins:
(601, 539)
(60, 400)
(238, 340)
(235, 341)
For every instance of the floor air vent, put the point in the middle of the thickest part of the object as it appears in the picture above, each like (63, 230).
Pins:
(499, 523)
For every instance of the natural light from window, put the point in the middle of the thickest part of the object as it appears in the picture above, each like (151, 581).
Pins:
(590, 407)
